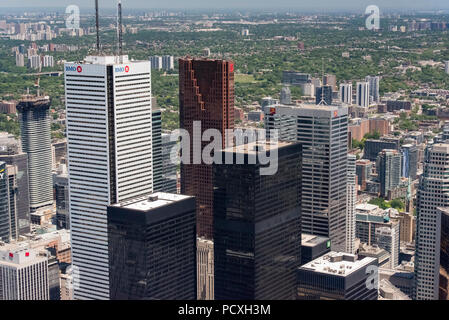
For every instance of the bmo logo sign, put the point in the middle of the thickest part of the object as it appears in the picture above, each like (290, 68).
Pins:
(122, 69)
(78, 69)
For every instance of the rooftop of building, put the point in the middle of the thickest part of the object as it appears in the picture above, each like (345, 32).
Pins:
(310, 106)
(337, 263)
(20, 254)
(106, 59)
(368, 208)
(387, 291)
(256, 147)
(309, 240)
(155, 200)
(440, 147)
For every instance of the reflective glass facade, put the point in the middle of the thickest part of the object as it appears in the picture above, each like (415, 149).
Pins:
(257, 228)
(152, 250)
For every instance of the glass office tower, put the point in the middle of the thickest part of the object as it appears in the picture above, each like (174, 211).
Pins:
(257, 227)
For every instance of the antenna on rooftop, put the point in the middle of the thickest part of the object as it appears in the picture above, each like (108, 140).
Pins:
(119, 28)
(322, 102)
(97, 24)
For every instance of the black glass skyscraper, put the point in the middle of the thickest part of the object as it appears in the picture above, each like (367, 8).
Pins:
(257, 228)
(152, 248)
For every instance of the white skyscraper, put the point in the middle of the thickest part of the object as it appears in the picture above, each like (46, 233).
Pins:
(432, 194)
(109, 132)
(23, 274)
(346, 93)
(362, 99)
(446, 66)
(374, 83)
(350, 205)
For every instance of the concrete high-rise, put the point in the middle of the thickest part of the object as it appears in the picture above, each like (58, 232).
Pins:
(362, 94)
(350, 206)
(346, 93)
(11, 154)
(374, 82)
(286, 96)
(432, 194)
(205, 269)
(34, 119)
(61, 186)
(156, 128)
(330, 80)
(109, 141)
(206, 97)
(152, 248)
(388, 170)
(23, 274)
(257, 227)
(323, 133)
(5, 219)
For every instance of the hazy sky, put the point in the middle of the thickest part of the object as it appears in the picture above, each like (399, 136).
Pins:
(340, 5)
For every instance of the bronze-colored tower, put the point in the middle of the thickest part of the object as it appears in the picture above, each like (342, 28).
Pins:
(206, 94)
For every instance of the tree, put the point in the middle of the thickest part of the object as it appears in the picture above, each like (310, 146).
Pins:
(380, 202)
(397, 204)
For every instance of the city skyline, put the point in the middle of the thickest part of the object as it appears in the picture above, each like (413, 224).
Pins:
(224, 154)
(325, 5)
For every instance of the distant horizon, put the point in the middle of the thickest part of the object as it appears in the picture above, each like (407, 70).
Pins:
(235, 5)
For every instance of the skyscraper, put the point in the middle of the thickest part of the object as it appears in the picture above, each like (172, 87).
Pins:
(152, 248)
(286, 95)
(330, 80)
(350, 206)
(346, 93)
(370, 218)
(23, 274)
(362, 94)
(156, 128)
(374, 82)
(169, 167)
(388, 170)
(168, 63)
(108, 105)
(206, 97)
(34, 119)
(444, 255)
(257, 227)
(432, 193)
(5, 220)
(61, 186)
(156, 62)
(409, 161)
(323, 133)
(11, 154)
(323, 94)
(338, 276)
